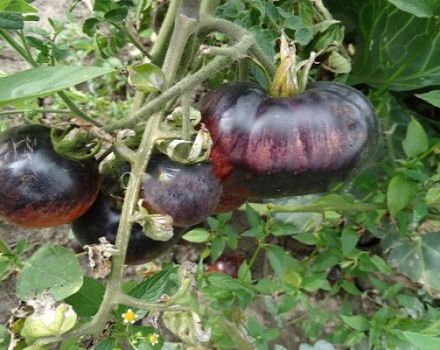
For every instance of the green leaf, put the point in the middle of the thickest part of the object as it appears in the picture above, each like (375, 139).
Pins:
(45, 80)
(162, 282)
(17, 6)
(217, 247)
(116, 15)
(11, 21)
(276, 256)
(51, 268)
(418, 8)
(223, 281)
(146, 77)
(349, 239)
(4, 338)
(433, 195)
(432, 97)
(197, 235)
(306, 12)
(360, 323)
(418, 259)
(396, 50)
(416, 140)
(87, 300)
(253, 216)
(6, 265)
(400, 193)
(422, 341)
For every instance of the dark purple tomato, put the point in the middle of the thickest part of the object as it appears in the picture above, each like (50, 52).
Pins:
(274, 147)
(188, 193)
(39, 187)
(228, 264)
(228, 202)
(102, 220)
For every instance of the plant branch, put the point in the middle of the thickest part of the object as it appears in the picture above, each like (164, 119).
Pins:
(235, 32)
(180, 87)
(315, 208)
(36, 110)
(208, 7)
(185, 24)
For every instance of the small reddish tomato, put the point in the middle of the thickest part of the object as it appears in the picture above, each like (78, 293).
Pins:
(102, 220)
(275, 147)
(39, 187)
(228, 264)
(188, 193)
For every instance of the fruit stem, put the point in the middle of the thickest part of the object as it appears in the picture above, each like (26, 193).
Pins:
(208, 7)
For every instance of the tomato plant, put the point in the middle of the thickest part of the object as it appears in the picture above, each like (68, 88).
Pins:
(41, 188)
(298, 138)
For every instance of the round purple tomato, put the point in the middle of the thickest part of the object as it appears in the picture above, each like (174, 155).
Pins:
(274, 147)
(39, 187)
(188, 193)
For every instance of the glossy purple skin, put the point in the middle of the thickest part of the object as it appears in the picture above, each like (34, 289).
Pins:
(102, 220)
(39, 187)
(188, 193)
(275, 147)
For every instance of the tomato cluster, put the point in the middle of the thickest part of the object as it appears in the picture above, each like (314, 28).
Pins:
(262, 147)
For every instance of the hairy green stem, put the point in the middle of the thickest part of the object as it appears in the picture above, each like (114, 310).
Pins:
(11, 41)
(235, 31)
(180, 87)
(185, 24)
(315, 208)
(186, 117)
(159, 48)
(36, 110)
(208, 7)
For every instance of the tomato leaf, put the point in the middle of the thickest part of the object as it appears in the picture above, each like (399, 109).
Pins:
(52, 268)
(422, 341)
(197, 235)
(17, 6)
(87, 300)
(396, 50)
(418, 259)
(45, 80)
(146, 77)
(349, 239)
(360, 323)
(416, 140)
(11, 21)
(418, 8)
(432, 97)
(152, 288)
(400, 193)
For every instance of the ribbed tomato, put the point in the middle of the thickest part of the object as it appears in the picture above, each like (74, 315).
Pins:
(274, 147)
